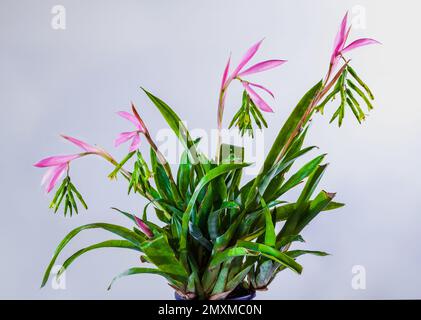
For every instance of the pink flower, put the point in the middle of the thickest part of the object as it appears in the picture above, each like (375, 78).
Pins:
(339, 47)
(58, 165)
(133, 135)
(239, 72)
(255, 97)
(88, 148)
(83, 145)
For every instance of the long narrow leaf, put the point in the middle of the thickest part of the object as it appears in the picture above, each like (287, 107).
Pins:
(118, 230)
(105, 244)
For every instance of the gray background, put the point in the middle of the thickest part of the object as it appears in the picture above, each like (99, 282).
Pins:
(73, 81)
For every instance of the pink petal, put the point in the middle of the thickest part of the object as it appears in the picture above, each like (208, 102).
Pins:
(246, 58)
(261, 87)
(225, 74)
(346, 37)
(262, 66)
(143, 226)
(123, 137)
(256, 98)
(135, 143)
(56, 160)
(132, 119)
(56, 175)
(48, 175)
(359, 43)
(81, 144)
(339, 39)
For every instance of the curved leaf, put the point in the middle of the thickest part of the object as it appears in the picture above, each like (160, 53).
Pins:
(297, 253)
(222, 256)
(178, 127)
(118, 230)
(105, 244)
(273, 254)
(159, 251)
(270, 236)
(133, 271)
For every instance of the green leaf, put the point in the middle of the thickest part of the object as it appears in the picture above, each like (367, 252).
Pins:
(329, 97)
(118, 230)
(296, 253)
(273, 254)
(300, 175)
(133, 271)
(293, 224)
(264, 273)
(162, 181)
(183, 174)
(360, 82)
(222, 256)
(316, 206)
(289, 239)
(333, 205)
(213, 218)
(238, 278)
(59, 194)
(196, 233)
(79, 196)
(72, 201)
(162, 255)
(353, 109)
(356, 104)
(282, 213)
(354, 87)
(270, 236)
(210, 175)
(178, 127)
(128, 215)
(219, 286)
(113, 174)
(311, 184)
(105, 244)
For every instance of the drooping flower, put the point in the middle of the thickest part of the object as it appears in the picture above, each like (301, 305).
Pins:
(57, 166)
(239, 73)
(133, 135)
(339, 46)
(257, 99)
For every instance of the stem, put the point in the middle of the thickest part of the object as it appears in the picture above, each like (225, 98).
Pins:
(306, 117)
(219, 121)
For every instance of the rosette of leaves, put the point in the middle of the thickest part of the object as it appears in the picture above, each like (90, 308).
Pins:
(215, 234)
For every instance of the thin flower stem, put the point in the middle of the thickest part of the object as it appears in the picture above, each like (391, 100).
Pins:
(307, 115)
(219, 121)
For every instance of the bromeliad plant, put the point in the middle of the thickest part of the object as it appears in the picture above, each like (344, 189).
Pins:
(217, 237)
